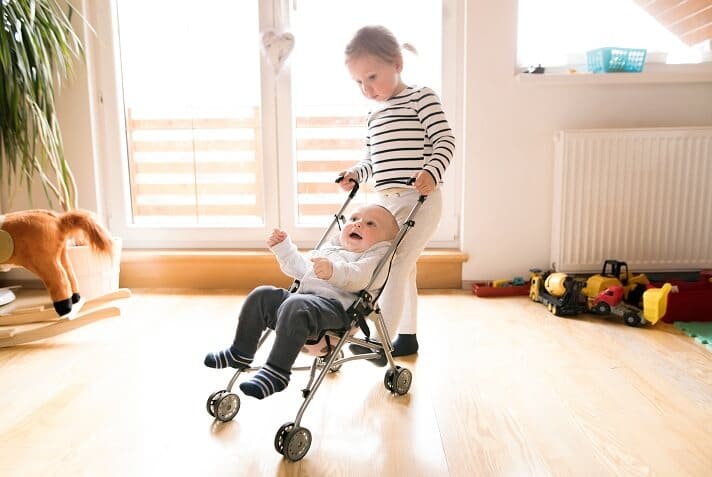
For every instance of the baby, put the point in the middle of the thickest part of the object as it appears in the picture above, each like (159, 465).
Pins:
(329, 280)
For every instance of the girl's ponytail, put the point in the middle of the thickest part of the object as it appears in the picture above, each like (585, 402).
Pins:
(409, 47)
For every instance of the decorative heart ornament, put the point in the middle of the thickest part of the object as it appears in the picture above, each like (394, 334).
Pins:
(277, 47)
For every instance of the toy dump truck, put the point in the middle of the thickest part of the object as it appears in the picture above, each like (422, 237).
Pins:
(610, 301)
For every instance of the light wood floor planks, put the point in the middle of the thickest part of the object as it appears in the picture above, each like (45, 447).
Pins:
(501, 387)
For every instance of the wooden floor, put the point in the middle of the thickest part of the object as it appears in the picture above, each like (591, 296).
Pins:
(501, 387)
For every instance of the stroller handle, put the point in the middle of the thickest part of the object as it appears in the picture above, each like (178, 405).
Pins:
(354, 189)
(339, 215)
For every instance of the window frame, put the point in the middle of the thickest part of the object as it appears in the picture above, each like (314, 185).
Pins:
(104, 67)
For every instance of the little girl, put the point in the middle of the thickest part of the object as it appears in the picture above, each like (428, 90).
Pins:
(408, 138)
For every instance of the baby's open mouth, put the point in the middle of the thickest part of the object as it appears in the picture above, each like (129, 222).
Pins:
(355, 236)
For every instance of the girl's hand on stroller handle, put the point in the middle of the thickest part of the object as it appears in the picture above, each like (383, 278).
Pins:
(323, 268)
(423, 182)
(423, 196)
(351, 184)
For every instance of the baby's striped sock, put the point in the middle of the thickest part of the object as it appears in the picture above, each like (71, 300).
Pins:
(268, 380)
(228, 357)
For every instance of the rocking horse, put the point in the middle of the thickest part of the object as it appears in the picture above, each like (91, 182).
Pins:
(37, 241)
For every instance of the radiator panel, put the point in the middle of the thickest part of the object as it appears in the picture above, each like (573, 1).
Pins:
(639, 195)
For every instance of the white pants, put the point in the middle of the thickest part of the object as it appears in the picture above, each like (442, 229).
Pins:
(399, 300)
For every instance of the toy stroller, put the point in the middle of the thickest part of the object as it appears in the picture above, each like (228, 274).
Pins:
(292, 440)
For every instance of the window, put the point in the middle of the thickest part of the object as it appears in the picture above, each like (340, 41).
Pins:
(559, 32)
(193, 113)
(220, 146)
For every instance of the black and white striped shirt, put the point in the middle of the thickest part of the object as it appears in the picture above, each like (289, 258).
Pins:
(409, 133)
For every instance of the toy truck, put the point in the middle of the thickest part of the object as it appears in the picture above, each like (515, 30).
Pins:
(614, 273)
(560, 293)
(610, 301)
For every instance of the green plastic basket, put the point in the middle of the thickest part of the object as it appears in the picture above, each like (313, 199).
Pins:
(616, 60)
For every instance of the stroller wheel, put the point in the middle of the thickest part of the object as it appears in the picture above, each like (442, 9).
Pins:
(212, 399)
(388, 379)
(398, 380)
(280, 436)
(226, 406)
(297, 443)
(403, 379)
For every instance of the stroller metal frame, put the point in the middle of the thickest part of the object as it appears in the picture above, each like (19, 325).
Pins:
(292, 440)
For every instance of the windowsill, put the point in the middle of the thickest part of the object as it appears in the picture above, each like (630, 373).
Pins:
(654, 74)
(246, 269)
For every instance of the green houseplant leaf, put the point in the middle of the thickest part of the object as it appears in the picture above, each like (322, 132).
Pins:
(37, 48)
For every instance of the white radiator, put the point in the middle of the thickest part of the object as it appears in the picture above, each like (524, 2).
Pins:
(643, 196)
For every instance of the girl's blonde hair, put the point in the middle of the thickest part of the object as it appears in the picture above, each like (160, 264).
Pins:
(377, 41)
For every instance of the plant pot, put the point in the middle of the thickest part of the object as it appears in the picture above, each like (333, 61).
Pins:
(96, 274)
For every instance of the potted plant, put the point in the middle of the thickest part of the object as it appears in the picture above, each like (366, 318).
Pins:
(37, 49)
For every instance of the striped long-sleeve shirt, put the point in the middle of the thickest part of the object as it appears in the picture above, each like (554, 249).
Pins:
(409, 133)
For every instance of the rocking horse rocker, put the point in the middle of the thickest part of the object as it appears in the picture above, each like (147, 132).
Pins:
(37, 241)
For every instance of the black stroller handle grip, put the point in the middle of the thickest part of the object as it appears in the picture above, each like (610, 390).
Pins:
(354, 190)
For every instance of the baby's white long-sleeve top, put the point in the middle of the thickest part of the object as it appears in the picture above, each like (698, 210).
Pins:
(352, 270)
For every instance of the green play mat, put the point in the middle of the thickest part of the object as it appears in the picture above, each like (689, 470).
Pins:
(701, 331)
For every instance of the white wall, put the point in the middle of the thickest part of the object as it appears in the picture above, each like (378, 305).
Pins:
(79, 132)
(506, 141)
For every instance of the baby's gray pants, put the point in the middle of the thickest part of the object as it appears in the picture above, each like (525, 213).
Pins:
(293, 316)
